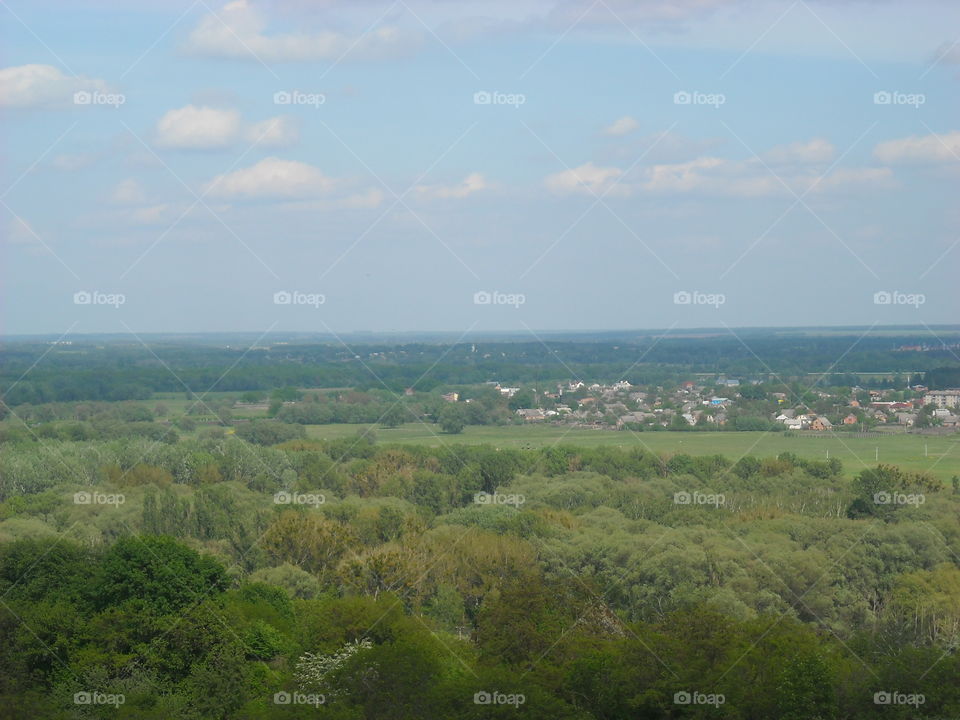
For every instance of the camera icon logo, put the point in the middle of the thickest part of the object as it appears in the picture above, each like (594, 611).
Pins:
(682, 98)
(882, 498)
(82, 498)
(82, 698)
(482, 698)
(282, 698)
(283, 498)
(882, 98)
(282, 297)
(282, 97)
(482, 297)
(682, 298)
(482, 97)
(82, 97)
(882, 698)
(682, 698)
(882, 298)
(82, 298)
(682, 498)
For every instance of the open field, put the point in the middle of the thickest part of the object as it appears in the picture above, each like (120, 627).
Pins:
(940, 455)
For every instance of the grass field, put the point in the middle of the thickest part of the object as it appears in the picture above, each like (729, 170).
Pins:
(940, 455)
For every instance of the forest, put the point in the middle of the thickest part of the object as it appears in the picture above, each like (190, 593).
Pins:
(216, 578)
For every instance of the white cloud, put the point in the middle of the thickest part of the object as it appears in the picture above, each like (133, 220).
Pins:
(128, 192)
(474, 182)
(207, 128)
(272, 178)
(365, 200)
(281, 131)
(719, 177)
(621, 127)
(70, 162)
(238, 31)
(198, 128)
(920, 149)
(43, 86)
(680, 177)
(588, 179)
(816, 151)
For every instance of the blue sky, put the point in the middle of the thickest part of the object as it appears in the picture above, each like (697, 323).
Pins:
(638, 164)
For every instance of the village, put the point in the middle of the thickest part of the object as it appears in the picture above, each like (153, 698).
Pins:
(733, 404)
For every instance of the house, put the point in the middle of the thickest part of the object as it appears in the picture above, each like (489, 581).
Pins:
(850, 419)
(906, 418)
(821, 423)
(531, 414)
(942, 398)
(451, 397)
(508, 391)
(622, 385)
(781, 397)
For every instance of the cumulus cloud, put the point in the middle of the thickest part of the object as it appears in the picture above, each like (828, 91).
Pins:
(281, 131)
(621, 127)
(207, 128)
(43, 86)
(588, 179)
(472, 183)
(920, 149)
(128, 192)
(799, 168)
(272, 178)
(238, 31)
(197, 128)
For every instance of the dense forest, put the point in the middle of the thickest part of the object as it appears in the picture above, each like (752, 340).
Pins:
(214, 577)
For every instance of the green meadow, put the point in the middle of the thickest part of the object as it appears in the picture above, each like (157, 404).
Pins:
(939, 455)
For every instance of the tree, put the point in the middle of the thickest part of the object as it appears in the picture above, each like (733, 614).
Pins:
(395, 416)
(452, 419)
(158, 571)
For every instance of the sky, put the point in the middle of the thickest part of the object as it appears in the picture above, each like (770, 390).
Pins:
(524, 166)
